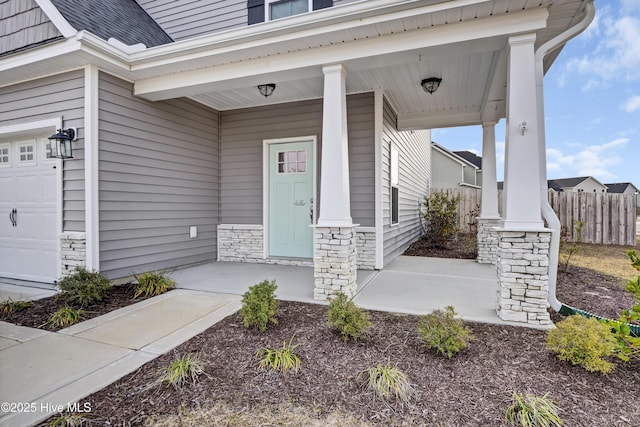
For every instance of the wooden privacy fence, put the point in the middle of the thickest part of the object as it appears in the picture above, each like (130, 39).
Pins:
(608, 218)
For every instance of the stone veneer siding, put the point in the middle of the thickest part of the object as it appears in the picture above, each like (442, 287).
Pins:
(523, 280)
(245, 243)
(334, 266)
(73, 251)
(488, 240)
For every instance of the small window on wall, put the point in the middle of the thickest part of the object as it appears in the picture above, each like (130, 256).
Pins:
(394, 182)
(284, 8)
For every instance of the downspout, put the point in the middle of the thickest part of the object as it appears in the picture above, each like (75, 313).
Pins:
(547, 212)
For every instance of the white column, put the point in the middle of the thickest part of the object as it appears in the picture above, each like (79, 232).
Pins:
(335, 210)
(522, 172)
(91, 199)
(489, 201)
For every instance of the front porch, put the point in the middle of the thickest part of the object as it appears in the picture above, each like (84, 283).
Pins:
(412, 285)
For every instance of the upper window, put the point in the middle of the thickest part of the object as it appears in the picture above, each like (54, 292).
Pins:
(294, 161)
(284, 8)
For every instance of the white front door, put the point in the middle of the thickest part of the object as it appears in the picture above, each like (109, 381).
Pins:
(28, 231)
(291, 199)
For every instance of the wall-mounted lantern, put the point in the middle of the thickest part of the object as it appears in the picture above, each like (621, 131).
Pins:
(61, 143)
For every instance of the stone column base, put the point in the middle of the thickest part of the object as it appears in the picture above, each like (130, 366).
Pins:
(334, 261)
(73, 251)
(523, 280)
(488, 240)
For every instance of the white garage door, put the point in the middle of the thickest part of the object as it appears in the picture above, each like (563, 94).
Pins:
(28, 232)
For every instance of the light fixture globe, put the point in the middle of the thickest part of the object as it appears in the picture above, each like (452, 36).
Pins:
(267, 89)
(60, 143)
(431, 84)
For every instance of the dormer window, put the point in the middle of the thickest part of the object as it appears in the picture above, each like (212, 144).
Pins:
(282, 8)
(269, 10)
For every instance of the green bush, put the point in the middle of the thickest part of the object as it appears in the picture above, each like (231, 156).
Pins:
(350, 320)
(440, 216)
(441, 331)
(65, 316)
(529, 410)
(84, 287)
(388, 382)
(583, 341)
(152, 284)
(282, 359)
(259, 305)
(182, 369)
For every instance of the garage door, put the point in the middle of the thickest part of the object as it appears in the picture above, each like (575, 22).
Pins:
(28, 232)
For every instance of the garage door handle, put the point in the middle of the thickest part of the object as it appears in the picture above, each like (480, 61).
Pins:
(12, 217)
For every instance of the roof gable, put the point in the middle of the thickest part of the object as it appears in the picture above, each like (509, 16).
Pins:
(470, 157)
(124, 20)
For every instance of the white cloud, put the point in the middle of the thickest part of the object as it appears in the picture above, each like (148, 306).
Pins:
(614, 50)
(592, 160)
(632, 104)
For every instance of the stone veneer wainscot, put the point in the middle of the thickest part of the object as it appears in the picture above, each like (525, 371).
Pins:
(73, 251)
(523, 280)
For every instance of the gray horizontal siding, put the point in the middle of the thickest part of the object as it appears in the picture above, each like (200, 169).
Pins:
(242, 135)
(414, 180)
(158, 176)
(184, 19)
(189, 18)
(47, 98)
(24, 24)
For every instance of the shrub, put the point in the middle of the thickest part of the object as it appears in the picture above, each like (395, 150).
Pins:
(152, 284)
(182, 369)
(388, 382)
(280, 360)
(570, 245)
(259, 305)
(350, 320)
(10, 306)
(635, 260)
(440, 215)
(583, 341)
(528, 410)
(84, 287)
(65, 316)
(441, 331)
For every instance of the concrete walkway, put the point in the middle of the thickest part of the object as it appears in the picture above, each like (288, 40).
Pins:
(50, 371)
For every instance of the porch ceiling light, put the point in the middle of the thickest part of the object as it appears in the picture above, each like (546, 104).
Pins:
(61, 143)
(267, 89)
(431, 84)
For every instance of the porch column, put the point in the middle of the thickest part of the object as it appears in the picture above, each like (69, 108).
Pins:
(523, 248)
(489, 217)
(335, 235)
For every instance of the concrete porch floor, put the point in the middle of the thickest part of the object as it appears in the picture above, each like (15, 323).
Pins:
(413, 285)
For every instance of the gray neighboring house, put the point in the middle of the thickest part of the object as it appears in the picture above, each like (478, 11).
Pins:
(452, 169)
(263, 131)
(624, 188)
(573, 185)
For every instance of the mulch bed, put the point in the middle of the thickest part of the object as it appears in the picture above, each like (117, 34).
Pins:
(471, 389)
(464, 246)
(39, 313)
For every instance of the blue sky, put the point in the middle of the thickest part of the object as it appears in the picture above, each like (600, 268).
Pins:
(592, 103)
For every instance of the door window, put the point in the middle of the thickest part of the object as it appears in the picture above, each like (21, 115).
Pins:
(294, 161)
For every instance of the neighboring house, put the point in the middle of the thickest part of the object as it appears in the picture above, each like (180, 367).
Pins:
(180, 159)
(450, 169)
(475, 160)
(573, 185)
(624, 188)
(577, 185)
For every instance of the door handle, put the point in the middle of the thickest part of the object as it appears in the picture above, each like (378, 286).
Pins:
(311, 210)
(12, 217)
